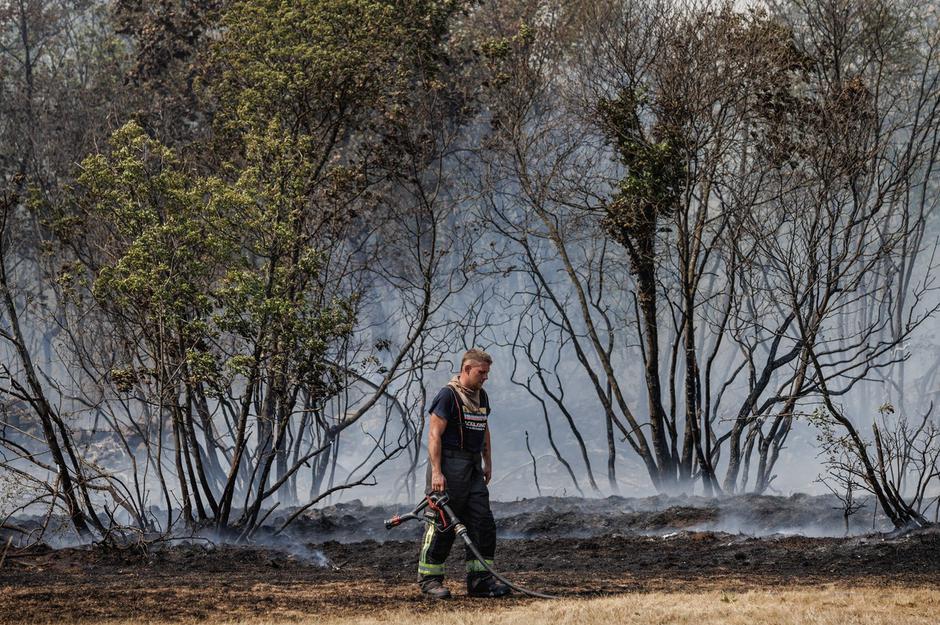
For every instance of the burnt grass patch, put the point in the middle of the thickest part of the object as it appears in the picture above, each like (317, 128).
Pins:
(546, 545)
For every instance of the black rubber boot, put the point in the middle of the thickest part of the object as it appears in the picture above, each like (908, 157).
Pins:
(434, 588)
(485, 585)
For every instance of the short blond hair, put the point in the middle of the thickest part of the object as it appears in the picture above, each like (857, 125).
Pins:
(475, 355)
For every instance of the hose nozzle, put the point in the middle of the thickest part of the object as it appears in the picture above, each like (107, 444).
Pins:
(398, 519)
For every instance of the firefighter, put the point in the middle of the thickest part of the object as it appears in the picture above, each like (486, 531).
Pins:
(460, 463)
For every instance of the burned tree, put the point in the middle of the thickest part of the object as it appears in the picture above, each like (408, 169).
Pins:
(649, 145)
(674, 174)
(852, 211)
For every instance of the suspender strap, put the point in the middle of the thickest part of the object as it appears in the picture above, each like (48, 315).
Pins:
(459, 412)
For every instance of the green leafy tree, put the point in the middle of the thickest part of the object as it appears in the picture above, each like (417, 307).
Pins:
(183, 277)
(309, 97)
(227, 302)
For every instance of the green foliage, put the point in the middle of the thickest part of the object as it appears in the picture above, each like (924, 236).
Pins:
(314, 67)
(504, 55)
(208, 279)
(655, 172)
(832, 440)
(164, 231)
(124, 379)
(188, 262)
(290, 57)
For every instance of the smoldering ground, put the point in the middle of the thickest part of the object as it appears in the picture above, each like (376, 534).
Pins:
(341, 561)
(575, 517)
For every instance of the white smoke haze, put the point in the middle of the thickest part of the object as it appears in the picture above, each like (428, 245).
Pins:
(702, 279)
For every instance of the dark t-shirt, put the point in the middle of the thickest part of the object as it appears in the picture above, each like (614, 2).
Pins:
(473, 426)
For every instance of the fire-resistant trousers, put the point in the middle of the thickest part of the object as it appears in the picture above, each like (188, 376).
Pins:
(470, 501)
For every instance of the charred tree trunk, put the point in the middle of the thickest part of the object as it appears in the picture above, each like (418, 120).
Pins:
(72, 491)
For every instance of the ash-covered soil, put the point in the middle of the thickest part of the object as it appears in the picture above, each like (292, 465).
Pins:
(550, 517)
(318, 574)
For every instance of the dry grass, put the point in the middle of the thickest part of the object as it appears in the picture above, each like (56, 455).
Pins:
(825, 605)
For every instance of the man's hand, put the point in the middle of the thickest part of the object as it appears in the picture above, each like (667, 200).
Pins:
(438, 482)
(487, 473)
(436, 429)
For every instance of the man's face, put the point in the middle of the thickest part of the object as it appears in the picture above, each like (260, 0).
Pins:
(475, 374)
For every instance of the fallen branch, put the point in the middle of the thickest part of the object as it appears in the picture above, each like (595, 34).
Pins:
(5, 549)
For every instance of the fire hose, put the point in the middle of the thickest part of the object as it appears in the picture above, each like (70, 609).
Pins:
(439, 503)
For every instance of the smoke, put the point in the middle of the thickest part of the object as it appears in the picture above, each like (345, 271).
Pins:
(298, 551)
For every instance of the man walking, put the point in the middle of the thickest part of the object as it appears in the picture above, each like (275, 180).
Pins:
(460, 464)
